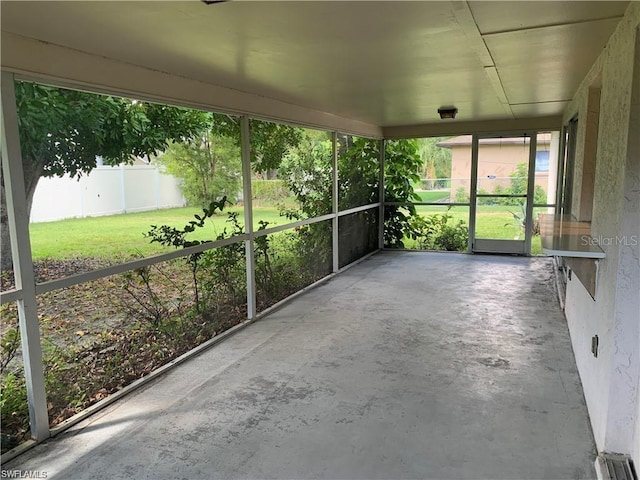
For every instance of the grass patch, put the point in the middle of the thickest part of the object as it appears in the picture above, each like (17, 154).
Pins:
(122, 236)
(434, 195)
(493, 221)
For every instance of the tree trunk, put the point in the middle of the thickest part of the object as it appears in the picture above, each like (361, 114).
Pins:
(32, 172)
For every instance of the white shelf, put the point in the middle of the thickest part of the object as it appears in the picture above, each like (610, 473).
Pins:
(564, 236)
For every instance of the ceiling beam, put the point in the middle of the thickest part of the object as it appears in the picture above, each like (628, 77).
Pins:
(450, 128)
(45, 62)
(551, 25)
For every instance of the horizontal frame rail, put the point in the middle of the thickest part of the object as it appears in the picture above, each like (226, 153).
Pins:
(358, 209)
(44, 287)
(502, 195)
(436, 204)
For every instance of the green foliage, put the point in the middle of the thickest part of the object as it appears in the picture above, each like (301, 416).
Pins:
(64, 130)
(224, 273)
(487, 200)
(269, 141)
(436, 161)
(289, 261)
(147, 304)
(518, 186)
(461, 195)
(436, 232)
(268, 191)
(171, 236)
(9, 344)
(539, 195)
(358, 172)
(518, 180)
(401, 163)
(209, 167)
(306, 169)
(218, 275)
(14, 409)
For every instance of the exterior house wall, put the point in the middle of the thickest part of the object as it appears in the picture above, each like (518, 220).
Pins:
(629, 271)
(105, 191)
(610, 380)
(495, 160)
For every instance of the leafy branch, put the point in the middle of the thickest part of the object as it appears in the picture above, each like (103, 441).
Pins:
(171, 236)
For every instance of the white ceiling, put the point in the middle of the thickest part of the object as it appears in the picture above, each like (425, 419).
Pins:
(386, 63)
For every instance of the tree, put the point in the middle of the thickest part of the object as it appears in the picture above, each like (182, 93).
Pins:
(210, 167)
(436, 161)
(307, 172)
(269, 141)
(519, 179)
(358, 171)
(401, 162)
(63, 131)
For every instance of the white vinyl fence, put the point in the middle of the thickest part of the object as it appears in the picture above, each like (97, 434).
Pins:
(105, 191)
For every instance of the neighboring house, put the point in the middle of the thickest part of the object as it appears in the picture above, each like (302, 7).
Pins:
(498, 160)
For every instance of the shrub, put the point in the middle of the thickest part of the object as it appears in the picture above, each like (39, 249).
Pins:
(434, 232)
(461, 195)
(14, 410)
(401, 158)
(269, 190)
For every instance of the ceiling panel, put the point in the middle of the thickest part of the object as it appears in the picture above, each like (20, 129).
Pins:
(498, 17)
(547, 64)
(545, 109)
(382, 62)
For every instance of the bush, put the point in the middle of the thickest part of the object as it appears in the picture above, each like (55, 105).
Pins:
(434, 232)
(401, 158)
(461, 195)
(269, 190)
(14, 410)
(485, 200)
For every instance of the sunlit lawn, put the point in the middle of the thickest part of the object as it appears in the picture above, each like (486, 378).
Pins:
(493, 221)
(122, 236)
(434, 195)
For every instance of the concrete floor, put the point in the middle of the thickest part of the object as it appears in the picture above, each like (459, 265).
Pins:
(408, 365)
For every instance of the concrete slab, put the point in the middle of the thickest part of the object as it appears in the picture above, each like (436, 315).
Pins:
(409, 365)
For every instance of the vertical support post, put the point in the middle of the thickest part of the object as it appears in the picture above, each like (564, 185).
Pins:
(245, 151)
(561, 165)
(552, 178)
(18, 216)
(472, 194)
(531, 183)
(381, 196)
(335, 193)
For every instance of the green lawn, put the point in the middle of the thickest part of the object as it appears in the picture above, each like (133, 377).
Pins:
(122, 236)
(493, 221)
(434, 195)
(117, 237)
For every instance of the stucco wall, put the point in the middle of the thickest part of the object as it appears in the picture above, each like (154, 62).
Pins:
(494, 160)
(610, 381)
(629, 278)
